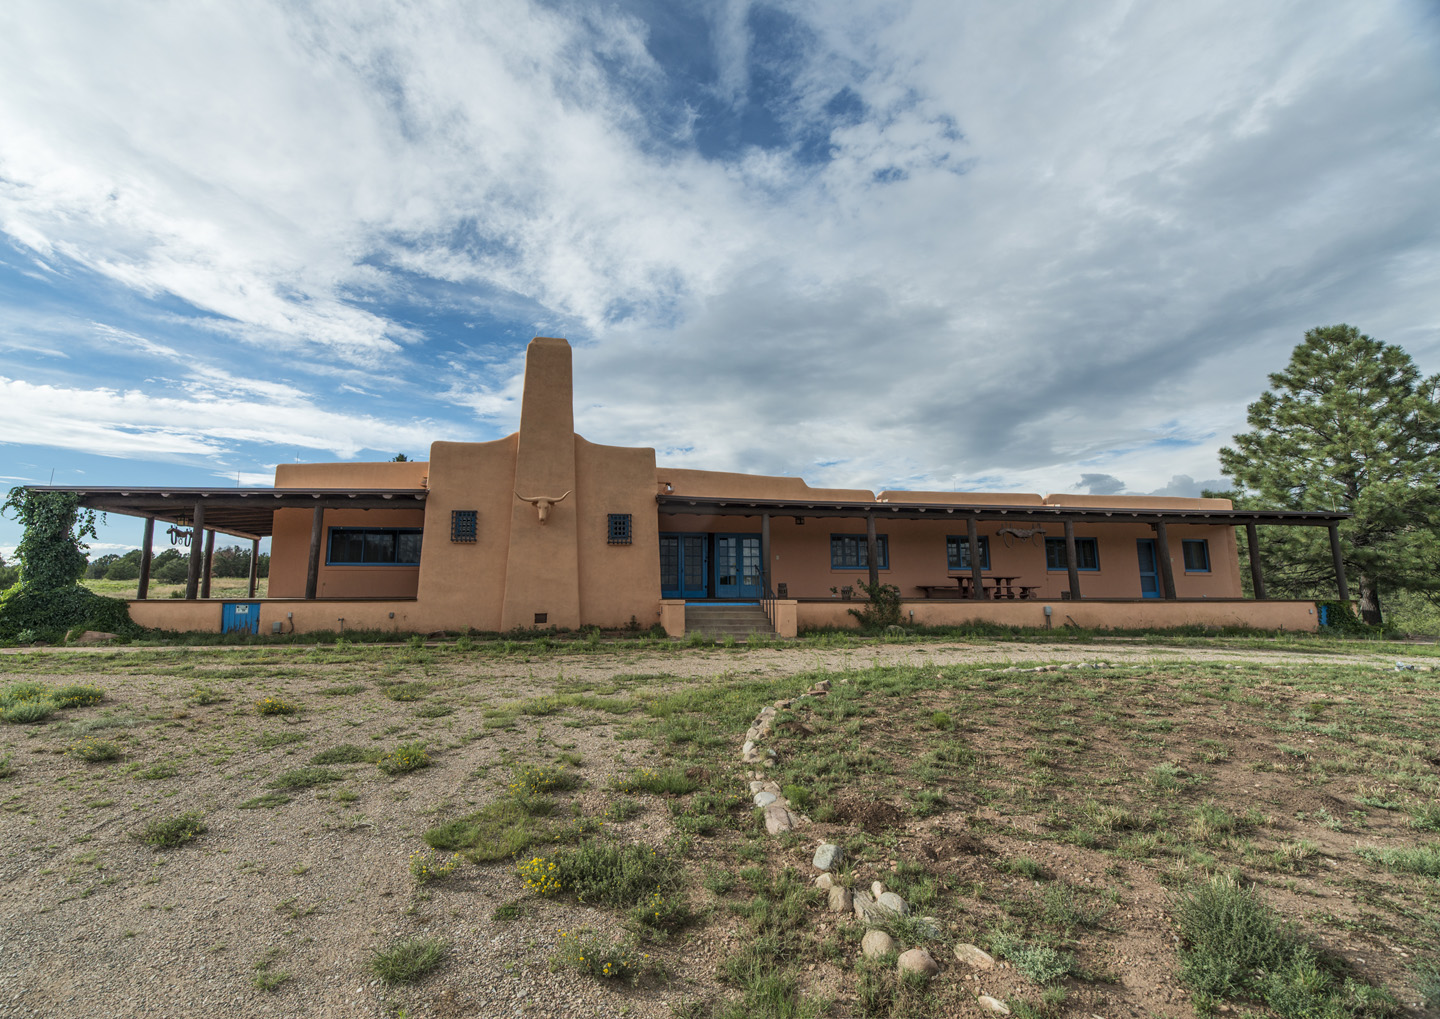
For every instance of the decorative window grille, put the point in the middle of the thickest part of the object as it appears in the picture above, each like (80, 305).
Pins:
(618, 531)
(463, 526)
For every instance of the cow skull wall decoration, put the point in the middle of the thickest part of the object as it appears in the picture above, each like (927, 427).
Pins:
(542, 503)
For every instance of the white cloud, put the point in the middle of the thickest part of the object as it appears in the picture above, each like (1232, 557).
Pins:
(133, 423)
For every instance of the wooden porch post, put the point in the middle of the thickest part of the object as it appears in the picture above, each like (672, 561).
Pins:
(1070, 566)
(209, 564)
(254, 564)
(197, 528)
(872, 549)
(143, 591)
(1339, 562)
(1167, 571)
(765, 553)
(312, 573)
(1257, 578)
(972, 535)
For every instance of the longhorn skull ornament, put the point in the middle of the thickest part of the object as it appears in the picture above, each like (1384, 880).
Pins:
(542, 503)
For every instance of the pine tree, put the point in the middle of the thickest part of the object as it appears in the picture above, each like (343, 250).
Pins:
(1349, 425)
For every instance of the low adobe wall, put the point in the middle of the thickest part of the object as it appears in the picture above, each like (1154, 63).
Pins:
(205, 615)
(1138, 614)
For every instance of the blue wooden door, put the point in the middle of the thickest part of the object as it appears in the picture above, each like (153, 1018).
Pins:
(683, 565)
(737, 566)
(1149, 568)
(240, 617)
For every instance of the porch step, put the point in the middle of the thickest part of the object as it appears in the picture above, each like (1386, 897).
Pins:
(718, 621)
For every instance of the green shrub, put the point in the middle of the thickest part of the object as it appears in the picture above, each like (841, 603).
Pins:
(941, 720)
(406, 691)
(276, 706)
(305, 778)
(77, 696)
(25, 712)
(426, 866)
(168, 832)
(347, 753)
(532, 779)
(408, 960)
(94, 750)
(586, 952)
(159, 770)
(265, 801)
(1040, 963)
(599, 872)
(406, 757)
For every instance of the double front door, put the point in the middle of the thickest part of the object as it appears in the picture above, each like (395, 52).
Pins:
(690, 563)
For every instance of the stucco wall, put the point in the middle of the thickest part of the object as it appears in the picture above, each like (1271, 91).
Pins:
(1261, 615)
(463, 584)
(617, 582)
(305, 616)
(408, 474)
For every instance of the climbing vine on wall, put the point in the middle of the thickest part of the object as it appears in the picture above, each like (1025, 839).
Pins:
(49, 600)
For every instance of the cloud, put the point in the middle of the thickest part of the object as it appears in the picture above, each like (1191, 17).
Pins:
(995, 245)
(1101, 484)
(134, 423)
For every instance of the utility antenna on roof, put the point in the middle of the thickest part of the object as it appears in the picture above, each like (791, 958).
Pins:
(52, 475)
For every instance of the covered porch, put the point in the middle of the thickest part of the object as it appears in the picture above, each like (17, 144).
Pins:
(1022, 565)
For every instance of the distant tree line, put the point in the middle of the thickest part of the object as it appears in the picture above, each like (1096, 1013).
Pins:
(173, 566)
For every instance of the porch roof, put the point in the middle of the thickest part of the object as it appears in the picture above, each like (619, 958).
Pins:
(712, 506)
(243, 512)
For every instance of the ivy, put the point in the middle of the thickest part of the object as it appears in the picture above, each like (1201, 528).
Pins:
(49, 600)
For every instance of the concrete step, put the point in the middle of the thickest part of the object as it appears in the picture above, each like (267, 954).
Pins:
(727, 620)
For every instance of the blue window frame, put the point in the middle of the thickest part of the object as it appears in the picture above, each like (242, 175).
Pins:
(1087, 554)
(850, 552)
(1197, 555)
(373, 546)
(618, 529)
(957, 552)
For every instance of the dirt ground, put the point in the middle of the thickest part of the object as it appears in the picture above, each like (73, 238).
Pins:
(93, 922)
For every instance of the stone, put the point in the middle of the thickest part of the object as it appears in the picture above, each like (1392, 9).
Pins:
(992, 1004)
(930, 928)
(825, 881)
(894, 903)
(866, 910)
(876, 944)
(877, 889)
(778, 819)
(783, 704)
(976, 958)
(823, 684)
(95, 637)
(764, 787)
(841, 900)
(765, 798)
(749, 747)
(917, 960)
(828, 856)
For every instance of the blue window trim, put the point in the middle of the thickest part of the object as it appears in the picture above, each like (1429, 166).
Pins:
(1202, 545)
(963, 541)
(397, 531)
(882, 543)
(1094, 544)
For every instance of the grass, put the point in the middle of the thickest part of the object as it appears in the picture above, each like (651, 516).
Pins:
(305, 778)
(265, 801)
(407, 960)
(94, 751)
(276, 706)
(1235, 948)
(348, 753)
(169, 832)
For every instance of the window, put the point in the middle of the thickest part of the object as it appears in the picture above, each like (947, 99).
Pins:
(374, 546)
(1087, 554)
(1197, 555)
(462, 526)
(618, 530)
(957, 552)
(850, 552)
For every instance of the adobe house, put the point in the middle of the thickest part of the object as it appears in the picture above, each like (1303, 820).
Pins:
(544, 528)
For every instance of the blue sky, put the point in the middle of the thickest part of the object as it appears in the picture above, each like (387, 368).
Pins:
(1038, 247)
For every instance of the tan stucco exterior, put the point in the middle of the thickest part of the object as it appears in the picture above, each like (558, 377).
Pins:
(567, 572)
